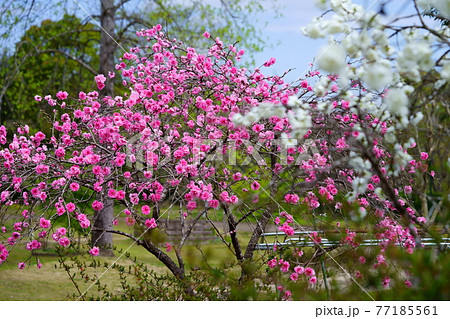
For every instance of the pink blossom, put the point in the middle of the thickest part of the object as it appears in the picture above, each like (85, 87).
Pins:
(134, 198)
(96, 205)
(191, 205)
(130, 221)
(423, 156)
(148, 174)
(150, 223)
(224, 196)
(127, 175)
(33, 245)
(94, 251)
(270, 62)
(294, 276)
(309, 272)
(100, 78)
(375, 179)
(44, 223)
(299, 270)
(233, 199)
(214, 203)
(288, 230)
(291, 198)
(64, 241)
(258, 128)
(120, 195)
(255, 185)
(60, 152)
(43, 196)
(381, 259)
(35, 192)
(284, 266)
(74, 187)
(168, 247)
(386, 282)
(112, 193)
(70, 207)
(62, 95)
(145, 209)
(272, 263)
(84, 221)
(287, 294)
(313, 280)
(237, 176)
(421, 219)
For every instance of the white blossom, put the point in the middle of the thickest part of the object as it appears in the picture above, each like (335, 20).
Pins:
(350, 44)
(332, 59)
(335, 25)
(356, 42)
(347, 9)
(417, 118)
(415, 56)
(445, 72)
(380, 37)
(287, 141)
(378, 74)
(321, 88)
(401, 157)
(314, 30)
(321, 4)
(397, 102)
(237, 119)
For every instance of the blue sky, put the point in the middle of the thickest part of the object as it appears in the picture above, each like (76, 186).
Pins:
(290, 48)
(294, 49)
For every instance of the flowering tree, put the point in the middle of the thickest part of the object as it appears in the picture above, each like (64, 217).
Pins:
(197, 137)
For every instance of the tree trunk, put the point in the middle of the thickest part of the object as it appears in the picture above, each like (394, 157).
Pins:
(103, 221)
(104, 218)
(107, 44)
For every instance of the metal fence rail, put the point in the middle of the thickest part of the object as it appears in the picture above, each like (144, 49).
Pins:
(303, 240)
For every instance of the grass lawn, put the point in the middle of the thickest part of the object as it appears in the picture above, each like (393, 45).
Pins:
(51, 282)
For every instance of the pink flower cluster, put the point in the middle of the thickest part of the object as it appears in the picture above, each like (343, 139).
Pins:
(284, 267)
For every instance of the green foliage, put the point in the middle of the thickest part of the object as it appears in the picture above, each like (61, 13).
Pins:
(430, 193)
(41, 65)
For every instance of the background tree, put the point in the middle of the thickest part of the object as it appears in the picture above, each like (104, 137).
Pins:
(55, 54)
